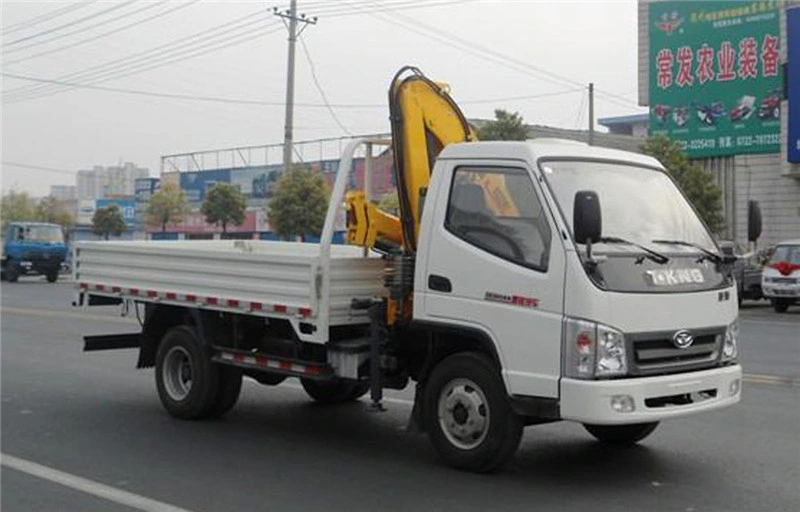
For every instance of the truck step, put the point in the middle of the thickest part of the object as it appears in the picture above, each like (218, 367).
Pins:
(272, 364)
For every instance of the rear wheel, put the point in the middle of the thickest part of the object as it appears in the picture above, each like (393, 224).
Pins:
(780, 305)
(467, 414)
(621, 434)
(334, 391)
(186, 379)
(228, 389)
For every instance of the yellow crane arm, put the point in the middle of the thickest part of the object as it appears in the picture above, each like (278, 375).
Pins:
(424, 120)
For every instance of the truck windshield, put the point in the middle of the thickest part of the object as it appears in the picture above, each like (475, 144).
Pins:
(639, 204)
(44, 234)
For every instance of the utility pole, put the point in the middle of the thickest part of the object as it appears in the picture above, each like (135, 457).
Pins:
(290, 19)
(591, 114)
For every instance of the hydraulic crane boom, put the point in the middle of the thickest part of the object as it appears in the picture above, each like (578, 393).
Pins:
(424, 120)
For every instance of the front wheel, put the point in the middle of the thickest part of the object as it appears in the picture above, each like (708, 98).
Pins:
(621, 434)
(467, 414)
(780, 305)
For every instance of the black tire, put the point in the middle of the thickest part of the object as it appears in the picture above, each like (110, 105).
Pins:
(186, 379)
(472, 382)
(621, 434)
(335, 391)
(780, 305)
(52, 276)
(12, 272)
(228, 389)
(268, 379)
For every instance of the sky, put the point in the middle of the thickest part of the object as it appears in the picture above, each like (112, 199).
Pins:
(534, 57)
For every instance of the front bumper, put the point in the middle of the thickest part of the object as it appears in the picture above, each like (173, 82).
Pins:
(780, 291)
(654, 398)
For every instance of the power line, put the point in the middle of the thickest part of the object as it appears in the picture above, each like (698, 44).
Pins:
(39, 168)
(70, 24)
(319, 88)
(23, 25)
(80, 30)
(148, 55)
(243, 101)
(104, 34)
(37, 91)
(440, 35)
(146, 61)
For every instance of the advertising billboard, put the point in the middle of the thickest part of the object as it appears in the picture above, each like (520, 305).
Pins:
(144, 188)
(793, 70)
(194, 184)
(715, 76)
(87, 207)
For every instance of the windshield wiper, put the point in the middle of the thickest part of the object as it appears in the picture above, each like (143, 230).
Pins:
(716, 258)
(653, 255)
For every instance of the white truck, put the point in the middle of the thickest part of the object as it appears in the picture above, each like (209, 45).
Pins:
(550, 280)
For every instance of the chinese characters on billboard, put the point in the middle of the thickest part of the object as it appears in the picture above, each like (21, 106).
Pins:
(715, 76)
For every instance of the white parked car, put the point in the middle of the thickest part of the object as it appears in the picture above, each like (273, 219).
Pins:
(780, 281)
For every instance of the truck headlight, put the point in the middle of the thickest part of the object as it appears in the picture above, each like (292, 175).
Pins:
(730, 348)
(611, 357)
(593, 350)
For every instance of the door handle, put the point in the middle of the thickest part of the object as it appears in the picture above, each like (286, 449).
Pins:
(439, 283)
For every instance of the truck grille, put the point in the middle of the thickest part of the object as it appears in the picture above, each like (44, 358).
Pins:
(655, 353)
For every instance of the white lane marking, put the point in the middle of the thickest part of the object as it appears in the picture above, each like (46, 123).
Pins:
(109, 493)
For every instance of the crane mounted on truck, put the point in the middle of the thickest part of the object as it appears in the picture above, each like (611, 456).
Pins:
(522, 283)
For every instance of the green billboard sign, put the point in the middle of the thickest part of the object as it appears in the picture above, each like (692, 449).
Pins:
(715, 76)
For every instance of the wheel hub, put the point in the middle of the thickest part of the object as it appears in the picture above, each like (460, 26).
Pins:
(177, 373)
(463, 413)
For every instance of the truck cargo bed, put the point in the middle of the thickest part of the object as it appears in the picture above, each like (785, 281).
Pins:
(265, 278)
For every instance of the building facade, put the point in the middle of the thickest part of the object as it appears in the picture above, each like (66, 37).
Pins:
(108, 182)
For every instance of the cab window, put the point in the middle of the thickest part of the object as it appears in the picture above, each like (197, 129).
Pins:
(497, 210)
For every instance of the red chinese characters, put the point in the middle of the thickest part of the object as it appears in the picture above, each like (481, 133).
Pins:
(664, 62)
(726, 59)
(769, 56)
(685, 57)
(748, 58)
(722, 64)
(705, 64)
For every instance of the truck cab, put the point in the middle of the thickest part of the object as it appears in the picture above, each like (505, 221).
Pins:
(636, 325)
(33, 248)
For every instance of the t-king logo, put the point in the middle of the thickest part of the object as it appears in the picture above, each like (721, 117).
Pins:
(673, 277)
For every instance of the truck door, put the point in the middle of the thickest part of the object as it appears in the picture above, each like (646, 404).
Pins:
(495, 263)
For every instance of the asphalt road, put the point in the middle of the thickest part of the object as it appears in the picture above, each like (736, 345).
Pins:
(86, 432)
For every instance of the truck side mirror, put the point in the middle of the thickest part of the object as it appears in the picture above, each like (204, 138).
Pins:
(587, 221)
(753, 221)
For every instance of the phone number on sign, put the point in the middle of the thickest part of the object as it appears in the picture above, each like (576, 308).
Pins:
(758, 140)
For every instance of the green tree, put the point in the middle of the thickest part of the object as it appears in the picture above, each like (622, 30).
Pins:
(48, 209)
(224, 204)
(16, 206)
(299, 204)
(167, 205)
(108, 221)
(697, 184)
(504, 127)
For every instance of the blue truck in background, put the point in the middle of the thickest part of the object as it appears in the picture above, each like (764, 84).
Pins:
(33, 248)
